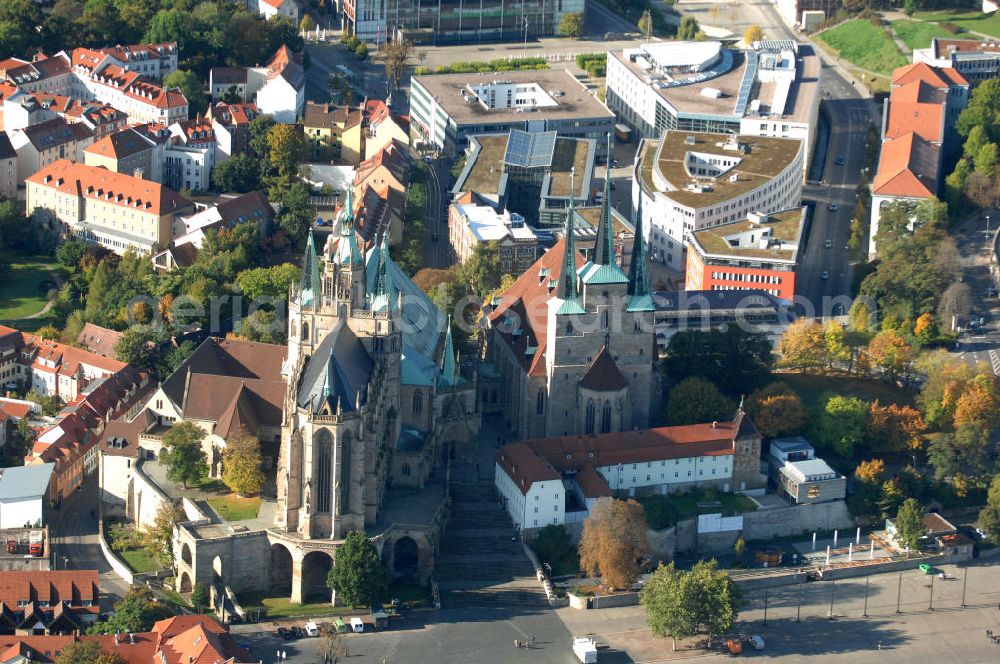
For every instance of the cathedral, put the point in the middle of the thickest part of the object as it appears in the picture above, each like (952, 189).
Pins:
(572, 340)
(375, 391)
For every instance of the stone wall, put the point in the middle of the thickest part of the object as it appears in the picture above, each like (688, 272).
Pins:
(147, 498)
(795, 520)
(243, 558)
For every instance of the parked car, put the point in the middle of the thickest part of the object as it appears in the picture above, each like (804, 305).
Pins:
(357, 625)
(734, 646)
(825, 275)
(311, 629)
(834, 207)
(840, 160)
(828, 244)
(756, 642)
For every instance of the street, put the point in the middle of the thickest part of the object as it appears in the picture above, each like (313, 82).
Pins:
(73, 533)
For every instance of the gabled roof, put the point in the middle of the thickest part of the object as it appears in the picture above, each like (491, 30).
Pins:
(121, 144)
(338, 373)
(934, 76)
(97, 339)
(231, 115)
(6, 149)
(908, 167)
(22, 482)
(603, 374)
(55, 132)
(393, 157)
(924, 120)
(288, 65)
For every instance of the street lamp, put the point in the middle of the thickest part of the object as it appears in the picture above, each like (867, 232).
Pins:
(524, 53)
(65, 562)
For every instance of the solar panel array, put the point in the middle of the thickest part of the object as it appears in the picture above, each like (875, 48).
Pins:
(746, 86)
(530, 149)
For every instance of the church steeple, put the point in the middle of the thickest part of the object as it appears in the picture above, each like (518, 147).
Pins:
(567, 286)
(309, 284)
(449, 366)
(638, 279)
(347, 249)
(382, 296)
(604, 248)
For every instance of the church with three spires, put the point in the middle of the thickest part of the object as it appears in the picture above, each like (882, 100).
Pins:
(572, 340)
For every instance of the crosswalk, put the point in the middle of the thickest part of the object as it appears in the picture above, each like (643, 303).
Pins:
(995, 361)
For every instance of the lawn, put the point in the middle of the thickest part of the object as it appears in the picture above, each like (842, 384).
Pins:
(988, 24)
(917, 34)
(25, 288)
(139, 560)
(865, 45)
(810, 387)
(410, 595)
(235, 508)
(665, 511)
(282, 607)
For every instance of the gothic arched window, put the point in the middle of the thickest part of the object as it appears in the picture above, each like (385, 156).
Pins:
(324, 465)
(606, 417)
(589, 425)
(418, 402)
(305, 331)
(540, 402)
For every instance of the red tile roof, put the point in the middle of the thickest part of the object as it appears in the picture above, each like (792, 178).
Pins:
(908, 167)
(603, 375)
(934, 76)
(73, 586)
(234, 114)
(118, 188)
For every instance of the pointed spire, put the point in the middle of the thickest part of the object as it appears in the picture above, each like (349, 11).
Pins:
(604, 253)
(382, 297)
(567, 287)
(347, 250)
(328, 387)
(638, 280)
(449, 367)
(309, 283)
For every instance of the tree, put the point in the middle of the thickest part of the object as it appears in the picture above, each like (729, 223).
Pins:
(136, 612)
(199, 597)
(695, 400)
(979, 403)
(963, 455)
(190, 84)
(752, 34)
(989, 516)
(740, 546)
(297, 213)
(357, 575)
(870, 471)
(680, 604)
(137, 346)
(571, 25)
(361, 52)
(613, 541)
(925, 328)
(182, 454)
(911, 6)
(307, 24)
(986, 159)
(70, 252)
(841, 424)
(910, 523)
(287, 149)
(482, 271)
(272, 282)
(88, 652)
(688, 29)
(776, 410)
(397, 55)
(890, 352)
(241, 461)
(553, 546)
(240, 174)
(646, 24)
(803, 345)
(894, 429)
(983, 110)
(734, 359)
(262, 326)
(834, 341)
(158, 538)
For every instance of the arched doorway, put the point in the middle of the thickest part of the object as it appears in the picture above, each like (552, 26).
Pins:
(185, 583)
(279, 571)
(315, 568)
(186, 554)
(217, 570)
(405, 557)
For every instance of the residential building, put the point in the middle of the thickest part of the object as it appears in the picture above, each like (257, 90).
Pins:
(97, 339)
(334, 133)
(277, 89)
(690, 181)
(189, 155)
(8, 168)
(977, 60)
(756, 310)
(553, 481)
(446, 109)
(129, 152)
(52, 602)
(23, 109)
(917, 128)
(472, 224)
(24, 494)
(769, 89)
(118, 211)
(792, 10)
(231, 124)
(270, 9)
(572, 338)
(95, 76)
(153, 61)
(390, 167)
(530, 173)
(800, 476)
(42, 144)
(382, 127)
(759, 253)
(178, 640)
(454, 21)
(53, 75)
(379, 212)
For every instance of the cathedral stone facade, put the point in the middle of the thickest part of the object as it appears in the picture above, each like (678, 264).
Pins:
(572, 340)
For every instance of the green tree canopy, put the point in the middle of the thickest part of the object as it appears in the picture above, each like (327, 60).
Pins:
(241, 464)
(239, 174)
(136, 612)
(989, 516)
(138, 347)
(482, 270)
(571, 25)
(734, 359)
(357, 575)
(688, 29)
(965, 454)
(680, 604)
(88, 652)
(910, 523)
(695, 400)
(182, 454)
(841, 424)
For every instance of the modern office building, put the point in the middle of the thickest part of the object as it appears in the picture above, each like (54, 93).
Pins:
(690, 181)
(975, 59)
(753, 310)
(770, 89)
(760, 252)
(446, 109)
(453, 21)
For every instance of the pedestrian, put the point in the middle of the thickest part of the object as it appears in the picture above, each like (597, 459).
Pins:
(517, 643)
(880, 645)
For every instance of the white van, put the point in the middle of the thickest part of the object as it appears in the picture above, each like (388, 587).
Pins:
(357, 626)
(311, 629)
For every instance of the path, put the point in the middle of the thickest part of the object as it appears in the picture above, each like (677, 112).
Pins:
(51, 303)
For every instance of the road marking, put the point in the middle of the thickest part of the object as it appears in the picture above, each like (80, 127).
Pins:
(995, 361)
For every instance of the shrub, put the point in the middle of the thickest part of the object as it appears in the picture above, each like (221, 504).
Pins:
(361, 51)
(950, 27)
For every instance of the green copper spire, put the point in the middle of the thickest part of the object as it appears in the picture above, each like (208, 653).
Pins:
(638, 279)
(449, 367)
(347, 249)
(604, 253)
(382, 297)
(567, 286)
(309, 284)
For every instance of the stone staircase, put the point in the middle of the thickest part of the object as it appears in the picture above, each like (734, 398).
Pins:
(478, 565)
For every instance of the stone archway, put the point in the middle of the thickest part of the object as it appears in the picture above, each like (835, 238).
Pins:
(186, 554)
(316, 567)
(217, 570)
(405, 557)
(279, 571)
(185, 583)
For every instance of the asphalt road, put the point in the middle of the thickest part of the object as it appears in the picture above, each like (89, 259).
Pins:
(437, 252)
(73, 533)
